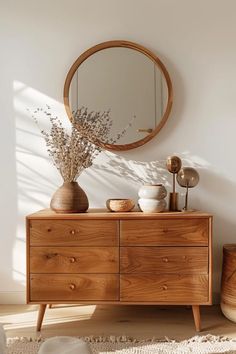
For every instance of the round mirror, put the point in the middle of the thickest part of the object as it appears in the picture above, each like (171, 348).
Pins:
(127, 80)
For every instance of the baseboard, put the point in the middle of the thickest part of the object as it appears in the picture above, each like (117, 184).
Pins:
(12, 297)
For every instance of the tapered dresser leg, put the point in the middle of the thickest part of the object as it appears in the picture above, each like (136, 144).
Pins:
(41, 313)
(196, 316)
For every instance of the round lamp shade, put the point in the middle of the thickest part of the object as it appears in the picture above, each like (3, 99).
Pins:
(173, 164)
(188, 177)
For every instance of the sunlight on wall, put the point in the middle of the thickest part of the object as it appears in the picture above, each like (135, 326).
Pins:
(111, 176)
(36, 177)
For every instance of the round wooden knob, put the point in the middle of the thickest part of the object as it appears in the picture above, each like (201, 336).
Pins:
(72, 232)
(72, 259)
(72, 286)
(165, 259)
(165, 231)
(164, 287)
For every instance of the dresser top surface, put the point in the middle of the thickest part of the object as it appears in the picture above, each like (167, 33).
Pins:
(93, 213)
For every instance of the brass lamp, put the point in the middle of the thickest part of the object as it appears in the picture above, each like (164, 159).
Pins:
(173, 164)
(187, 177)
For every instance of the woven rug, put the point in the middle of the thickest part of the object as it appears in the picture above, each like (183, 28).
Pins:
(125, 345)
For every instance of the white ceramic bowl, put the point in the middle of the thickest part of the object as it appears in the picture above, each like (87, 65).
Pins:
(154, 191)
(152, 205)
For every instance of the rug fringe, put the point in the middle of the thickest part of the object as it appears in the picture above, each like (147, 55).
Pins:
(127, 339)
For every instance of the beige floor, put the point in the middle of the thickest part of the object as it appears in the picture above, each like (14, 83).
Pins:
(135, 321)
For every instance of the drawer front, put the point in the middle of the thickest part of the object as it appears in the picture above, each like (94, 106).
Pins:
(172, 232)
(185, 260)
(188, 289)
(74, 232)
(74, 287)
(74, 260)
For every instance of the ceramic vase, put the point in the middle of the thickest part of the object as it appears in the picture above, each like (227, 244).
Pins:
(69, 198)
(228, 288)
(152, 198)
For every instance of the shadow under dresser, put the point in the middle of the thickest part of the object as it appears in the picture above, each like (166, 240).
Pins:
(100, 257)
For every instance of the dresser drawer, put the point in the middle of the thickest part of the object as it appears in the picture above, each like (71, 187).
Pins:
(163, 232)
(74, 260)
(188, 289)
(74, 287)
(185, 260)
(74, 232)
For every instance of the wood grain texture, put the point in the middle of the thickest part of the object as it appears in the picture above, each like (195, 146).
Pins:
(228, 281)
(42, 309)
(28, 236)
(189, 289)
(74, 233)
(187, 232)
(166, 258)
(104, 214)
(74, 260)
(184, 260)
(210, 269)
(197, 317)
(73, 287)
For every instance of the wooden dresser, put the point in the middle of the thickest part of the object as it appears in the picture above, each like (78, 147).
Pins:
(119, 258)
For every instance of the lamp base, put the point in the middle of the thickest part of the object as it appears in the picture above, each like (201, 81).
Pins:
(188, 210)
(173, 202)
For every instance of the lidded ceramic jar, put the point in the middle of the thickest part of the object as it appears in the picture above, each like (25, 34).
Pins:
(152, 198)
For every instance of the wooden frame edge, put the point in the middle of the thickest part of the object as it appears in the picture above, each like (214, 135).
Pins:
(27, 260)
(141, 49)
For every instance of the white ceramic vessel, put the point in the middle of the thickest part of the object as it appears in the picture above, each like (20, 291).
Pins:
(152, 205)
(152, 191)
(152, 198)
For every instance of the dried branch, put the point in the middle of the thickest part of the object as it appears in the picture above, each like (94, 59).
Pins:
(75, 151)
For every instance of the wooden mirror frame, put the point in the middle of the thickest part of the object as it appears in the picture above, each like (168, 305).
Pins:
(141, 49)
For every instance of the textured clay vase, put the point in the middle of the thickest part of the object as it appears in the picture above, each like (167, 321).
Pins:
(228, 282)
(152, 198)
(69, 198)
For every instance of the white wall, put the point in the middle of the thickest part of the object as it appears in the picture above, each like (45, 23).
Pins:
(39, 42)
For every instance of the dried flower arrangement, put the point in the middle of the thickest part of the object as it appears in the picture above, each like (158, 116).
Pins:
(74, 151)
(96, 126)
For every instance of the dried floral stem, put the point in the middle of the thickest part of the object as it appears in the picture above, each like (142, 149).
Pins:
(73, 152)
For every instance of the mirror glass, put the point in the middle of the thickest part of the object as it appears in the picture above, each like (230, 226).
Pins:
(129, 84)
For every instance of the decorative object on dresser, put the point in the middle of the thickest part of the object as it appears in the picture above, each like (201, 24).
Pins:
(173, 164)
(120, 205)
(228, 282)
(74, 151)
(119, 258)
(152, 198)
(187, 177)
(69, 198)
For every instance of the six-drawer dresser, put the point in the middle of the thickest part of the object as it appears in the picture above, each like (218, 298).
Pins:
(102, 257)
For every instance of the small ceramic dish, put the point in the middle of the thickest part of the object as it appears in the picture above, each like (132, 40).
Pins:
(120, 205)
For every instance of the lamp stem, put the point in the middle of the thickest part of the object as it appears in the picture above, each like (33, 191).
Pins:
(186, 199)
(173, 183)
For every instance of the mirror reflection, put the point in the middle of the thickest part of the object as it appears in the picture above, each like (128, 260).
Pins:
(128, 84)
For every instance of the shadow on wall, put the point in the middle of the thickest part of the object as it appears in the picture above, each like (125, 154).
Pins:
(214, 194)
(111, 175)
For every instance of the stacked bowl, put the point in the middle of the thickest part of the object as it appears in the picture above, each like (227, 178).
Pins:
(152, 198)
